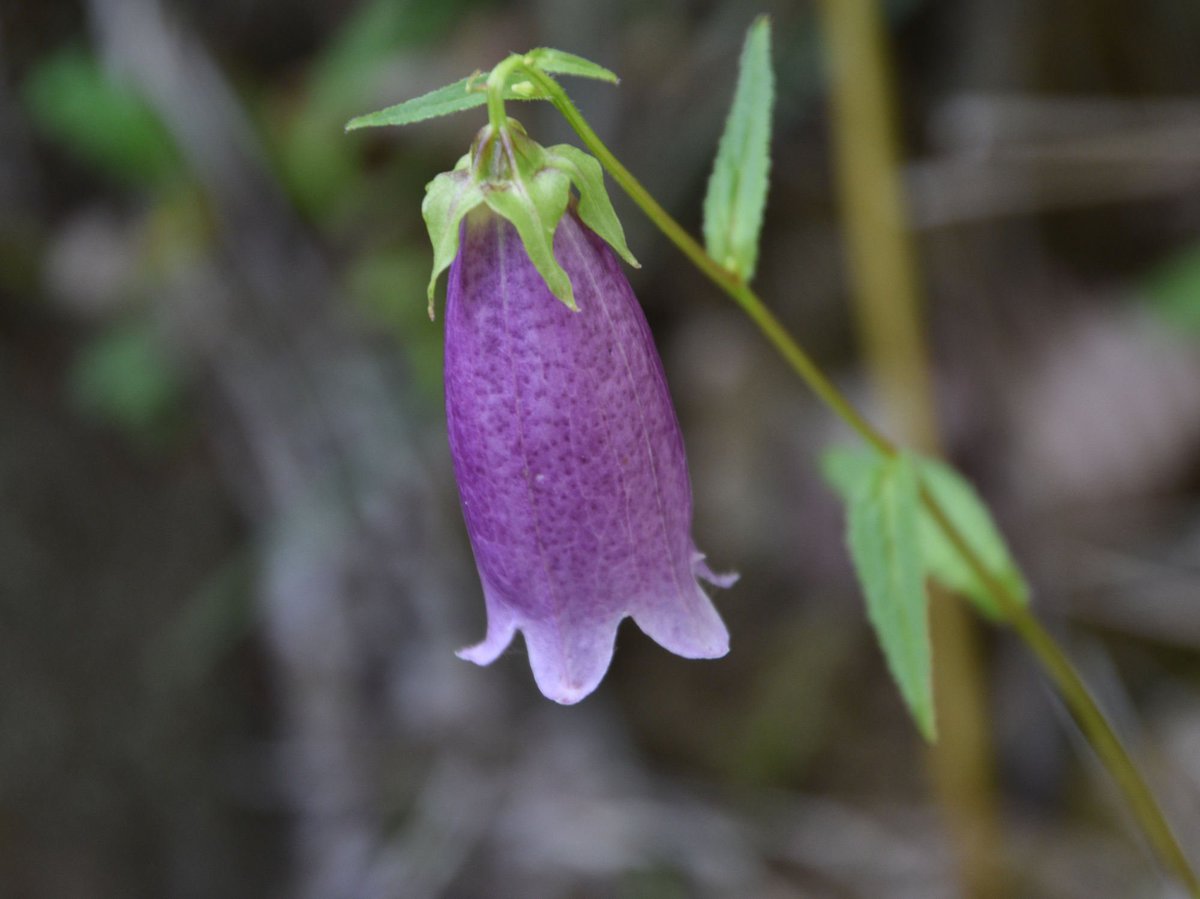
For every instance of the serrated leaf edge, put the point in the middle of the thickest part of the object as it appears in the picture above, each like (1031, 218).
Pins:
(718, 236)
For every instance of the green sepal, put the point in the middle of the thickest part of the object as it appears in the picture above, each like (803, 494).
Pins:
(448, 197)
(559, 63)
(595, 207)
(535, 202)
(530, 187)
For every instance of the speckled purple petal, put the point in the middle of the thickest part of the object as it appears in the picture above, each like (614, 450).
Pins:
(569, 461)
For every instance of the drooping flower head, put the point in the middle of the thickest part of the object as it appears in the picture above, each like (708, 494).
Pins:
(568, 455)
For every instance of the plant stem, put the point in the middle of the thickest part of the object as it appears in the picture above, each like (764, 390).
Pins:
(887, 300)
(497, 79)
(1053, 660)
(1083, 706)
(775, 332)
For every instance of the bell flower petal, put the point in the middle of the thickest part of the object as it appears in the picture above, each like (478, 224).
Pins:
(569, 460)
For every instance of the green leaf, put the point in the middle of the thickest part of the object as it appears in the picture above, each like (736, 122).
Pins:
(463, 94)
(971, 517)
(557, 62)
(883, 535)
(535, 205)
(737, 190)
(467, 94)
(848, 469)
(595, 207)
(448, 197)
(446, 100)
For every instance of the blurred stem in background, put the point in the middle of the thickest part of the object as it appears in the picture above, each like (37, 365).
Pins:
(1024, 623)
(888, 309)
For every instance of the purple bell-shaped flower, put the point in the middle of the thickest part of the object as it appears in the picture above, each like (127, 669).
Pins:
(567, 451)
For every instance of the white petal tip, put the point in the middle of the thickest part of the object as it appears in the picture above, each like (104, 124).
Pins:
(691, 629)
(724, 580)
(490, 649)
(480, 654)
(700, 569)
(568, 695)
(553, 683)
(568, 671)
(715, 648)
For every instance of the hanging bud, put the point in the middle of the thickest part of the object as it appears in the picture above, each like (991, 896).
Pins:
(568, 455)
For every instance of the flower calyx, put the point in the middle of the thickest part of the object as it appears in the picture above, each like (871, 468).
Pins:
(513, 176)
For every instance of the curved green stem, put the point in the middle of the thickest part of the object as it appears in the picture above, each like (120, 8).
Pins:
(496, 80)
(1053, 660)
(1084, 708)
(770, 326)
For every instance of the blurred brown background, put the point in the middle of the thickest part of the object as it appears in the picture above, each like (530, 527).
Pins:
(232, 567)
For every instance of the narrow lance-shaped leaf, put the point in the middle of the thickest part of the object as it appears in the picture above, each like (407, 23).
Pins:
(457, 97)
(883, 534)
(972, 519)
(846, 469)
(737, 190)
(466, 93)
(446, 100)
(559, 63)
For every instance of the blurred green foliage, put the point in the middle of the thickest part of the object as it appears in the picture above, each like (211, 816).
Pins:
(387, 289)
(1174, 290)
(318, 165)
(126, 378)
(98, 120)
